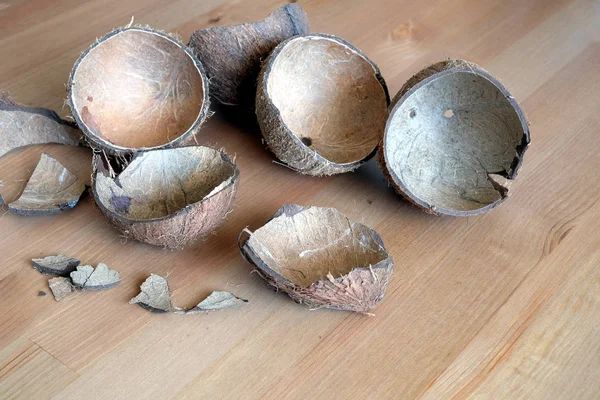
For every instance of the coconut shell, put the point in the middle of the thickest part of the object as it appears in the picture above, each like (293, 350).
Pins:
(232, 55)
(455, 139)
(138, 89)
(55, 265)
(51, 189)
(321, 105)
(24, 126)
(169, 197)
(320, 258)
(154, 295)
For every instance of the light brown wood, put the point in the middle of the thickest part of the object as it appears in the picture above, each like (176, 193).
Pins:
(501, 305)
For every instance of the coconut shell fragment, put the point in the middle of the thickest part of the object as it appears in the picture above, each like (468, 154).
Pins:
(217, 300)
(55, 265)
(61, 287)
(22, 126)
(455, 140)
(87, 277)
(321, 105)
(320, 258)
(155, 295)
(138, 88)
(171, 197)
(51, 189)
(232, 55)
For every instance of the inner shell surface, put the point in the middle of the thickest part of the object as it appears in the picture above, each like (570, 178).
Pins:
(445, 138)
(161, 182)
(137, 89)
(329, 97)
(307, 246)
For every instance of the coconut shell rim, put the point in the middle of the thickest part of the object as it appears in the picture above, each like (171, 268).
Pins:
(266, 72)
(101, 143)
(468, 67)
(247, 252)
(182, 211)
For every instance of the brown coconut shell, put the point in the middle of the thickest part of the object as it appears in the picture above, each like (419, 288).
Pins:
(170, 197)
(321, 105)
(232, 55)
(320, 258)
(137, 89)
(454, 140)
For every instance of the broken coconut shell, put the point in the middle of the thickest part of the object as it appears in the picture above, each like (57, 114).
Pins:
(321, 104)
(218, 300)
(24, 126)
(169, 197)
(138, 88)
(321, 258)
(51, 189)
(55, 265)
(454, 140)
(232, 55)
(155, 295)
(87, 277)
(61, 287)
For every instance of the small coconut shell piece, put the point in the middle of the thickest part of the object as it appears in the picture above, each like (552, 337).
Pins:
(455, 139)
(137, 88)
(321, 258)
(87, 277)
(55, 265)
(217, 300)
(24, 126)
(61, 287)
(171, 197)
(155, 295)
(321, 105)
(51, 189)
(232, 55)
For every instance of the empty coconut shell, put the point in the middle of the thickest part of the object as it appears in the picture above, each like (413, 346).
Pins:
(168, 197)
(137, 88)
(321, 104)
(232, 55)
(24, 126)
(454, 139)
(321, 258)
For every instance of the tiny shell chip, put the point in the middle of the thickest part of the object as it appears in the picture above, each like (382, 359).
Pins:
(321, 258)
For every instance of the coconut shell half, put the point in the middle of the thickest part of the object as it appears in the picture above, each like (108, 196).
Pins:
(232, 55)
(455, 140)
(137, 89)
(170, 197)
(321, 105)
(321, 258)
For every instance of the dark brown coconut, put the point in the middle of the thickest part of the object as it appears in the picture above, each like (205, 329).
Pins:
(321, 258)
(321, 105)
(454, 140)
(136, 89)
(232, 55)
(24, 126)
(169, 197)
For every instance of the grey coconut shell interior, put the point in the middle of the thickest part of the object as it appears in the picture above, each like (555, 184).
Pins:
(321, 258)
(321, 104)
(168, 197)
(454, 140)
(138, 88)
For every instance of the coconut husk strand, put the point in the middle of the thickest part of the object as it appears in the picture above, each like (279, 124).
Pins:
(321, 105)
(320, 258)
(171, 197)
(24, 126)
(232, 55)
(137, 89)
(455, 140)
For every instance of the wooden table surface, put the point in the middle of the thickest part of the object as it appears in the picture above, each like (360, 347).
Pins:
(502, 305)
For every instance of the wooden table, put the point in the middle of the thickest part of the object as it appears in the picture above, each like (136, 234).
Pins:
(502, 305)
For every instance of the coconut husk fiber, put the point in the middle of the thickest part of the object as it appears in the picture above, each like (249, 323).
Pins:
(24, 126)
(136, 89)
(169, 197)
(321, 105)
(320, 258)
(232, 55)
(455, 139)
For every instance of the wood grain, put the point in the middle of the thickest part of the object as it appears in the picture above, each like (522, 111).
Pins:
(502, 305)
